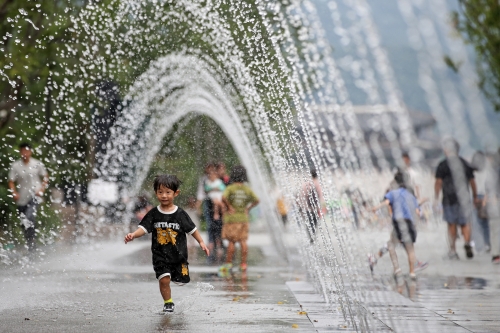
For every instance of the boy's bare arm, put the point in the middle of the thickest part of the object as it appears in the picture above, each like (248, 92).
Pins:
(384, 203)
(133, 235)
(200, 241)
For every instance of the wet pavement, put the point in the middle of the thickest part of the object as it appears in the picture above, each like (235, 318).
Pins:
(111, 287)
(449, 296)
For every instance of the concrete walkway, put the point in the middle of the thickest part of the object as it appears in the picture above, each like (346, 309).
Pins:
(449, 296)
(110, 287)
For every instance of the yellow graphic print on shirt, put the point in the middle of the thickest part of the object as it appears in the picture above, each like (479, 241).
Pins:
(185, 269)
(166, 236)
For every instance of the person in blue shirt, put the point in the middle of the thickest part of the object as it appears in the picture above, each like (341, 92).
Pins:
(404, 207)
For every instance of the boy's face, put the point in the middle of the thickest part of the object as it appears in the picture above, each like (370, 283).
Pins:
(166, 196)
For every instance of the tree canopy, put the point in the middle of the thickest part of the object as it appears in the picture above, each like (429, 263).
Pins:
(65, 66)
(479, 23)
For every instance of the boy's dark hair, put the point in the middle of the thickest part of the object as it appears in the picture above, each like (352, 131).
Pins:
(169, 181)
(399, 178)
(405, 155)
(25, 145)
(314, 173)
(239, 174)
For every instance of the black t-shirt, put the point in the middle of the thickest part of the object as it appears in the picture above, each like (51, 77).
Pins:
(444, 172)
(169, 243)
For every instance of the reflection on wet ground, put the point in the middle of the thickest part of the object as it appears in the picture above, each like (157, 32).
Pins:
(451, 282)
(411, 288)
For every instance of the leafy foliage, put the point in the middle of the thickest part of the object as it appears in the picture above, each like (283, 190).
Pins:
(192, 144)
(55, 56)
(479, 23)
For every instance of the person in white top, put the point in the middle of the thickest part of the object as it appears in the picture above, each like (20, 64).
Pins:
(411, 176)
(206, 202)
(480, 165)
(214, 187)
(491, 201)
(28, 180)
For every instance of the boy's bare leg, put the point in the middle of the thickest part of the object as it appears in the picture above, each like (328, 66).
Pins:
(392, 254)
(412, 258)
(452, 236)
(165, 290)
(244, 251)
(230, 253)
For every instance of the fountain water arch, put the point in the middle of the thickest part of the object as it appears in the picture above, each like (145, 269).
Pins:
(233, 92)
(174, 87)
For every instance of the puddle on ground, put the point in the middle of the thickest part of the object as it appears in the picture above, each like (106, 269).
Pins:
(410, 288)
(451, 282)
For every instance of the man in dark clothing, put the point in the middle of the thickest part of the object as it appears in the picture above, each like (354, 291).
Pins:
(453, 177)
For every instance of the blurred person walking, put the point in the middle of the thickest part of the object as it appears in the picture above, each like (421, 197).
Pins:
(453, 177)
(393, 196)
(282, 208)
(480, 165)
(28, 180)
(222, 173)
(239, 199)
(410, 176)
(214, 227)
(214, 187)
(404, 207)
(314, 203)
(492, 203)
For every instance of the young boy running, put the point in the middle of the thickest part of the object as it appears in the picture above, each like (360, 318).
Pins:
(404, 206)
(169, 225)
(239, 199)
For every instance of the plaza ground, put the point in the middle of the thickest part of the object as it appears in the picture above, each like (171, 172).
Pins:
(107, 286)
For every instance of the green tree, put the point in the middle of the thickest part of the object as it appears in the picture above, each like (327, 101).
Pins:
(34, 36)
(54, 53)
(479, 23)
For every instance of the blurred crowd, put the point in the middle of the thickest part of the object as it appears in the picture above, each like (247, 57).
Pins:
(465, 195)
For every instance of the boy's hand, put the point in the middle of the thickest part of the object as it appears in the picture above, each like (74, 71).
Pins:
(205, 248)
(129, 237)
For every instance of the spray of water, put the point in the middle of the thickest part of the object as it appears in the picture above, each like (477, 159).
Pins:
(266, 74)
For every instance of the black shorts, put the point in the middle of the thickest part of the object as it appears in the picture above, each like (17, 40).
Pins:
(405, 230)
(179, 273)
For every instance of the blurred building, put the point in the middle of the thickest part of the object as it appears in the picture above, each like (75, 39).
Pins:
(377, 122)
